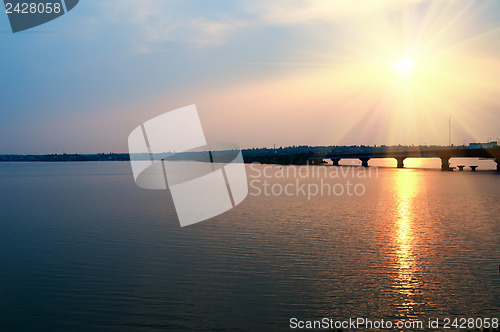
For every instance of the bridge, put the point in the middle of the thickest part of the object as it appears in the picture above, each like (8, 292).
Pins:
(444, 154)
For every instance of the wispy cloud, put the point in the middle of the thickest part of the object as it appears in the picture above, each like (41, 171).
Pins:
(293, 12)
(153, 23)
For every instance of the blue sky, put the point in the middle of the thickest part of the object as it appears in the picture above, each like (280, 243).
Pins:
(260, 72)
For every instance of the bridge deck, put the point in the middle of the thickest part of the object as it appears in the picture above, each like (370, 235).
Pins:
(443, 154)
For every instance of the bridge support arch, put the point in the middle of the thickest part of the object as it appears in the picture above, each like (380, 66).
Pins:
(364, 161)
(445, 163)
(401, 161)
(335, 161)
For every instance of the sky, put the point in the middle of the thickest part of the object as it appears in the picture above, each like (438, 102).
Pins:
(284, 72)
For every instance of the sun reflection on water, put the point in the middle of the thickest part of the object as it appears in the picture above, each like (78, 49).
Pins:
(406, 283)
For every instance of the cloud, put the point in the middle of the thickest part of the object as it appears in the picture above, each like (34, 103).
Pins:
(153, 23)
(150, 24)
(204, 32)
(293, 12)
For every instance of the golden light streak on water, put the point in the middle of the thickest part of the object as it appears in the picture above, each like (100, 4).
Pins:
(407, 186)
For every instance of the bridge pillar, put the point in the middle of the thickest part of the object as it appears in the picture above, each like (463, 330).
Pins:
(335, 161)
(364, 161)
(445, 163)
(498, 164)
(401, 162)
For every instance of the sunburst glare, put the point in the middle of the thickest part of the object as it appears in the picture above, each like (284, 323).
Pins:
(397, 77)
(404, 67)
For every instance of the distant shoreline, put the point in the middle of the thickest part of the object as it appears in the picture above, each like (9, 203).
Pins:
(293, 155)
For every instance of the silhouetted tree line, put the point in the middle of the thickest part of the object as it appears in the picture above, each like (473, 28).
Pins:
(291, 155)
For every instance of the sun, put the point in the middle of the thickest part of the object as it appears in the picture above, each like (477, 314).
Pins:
(404, 67)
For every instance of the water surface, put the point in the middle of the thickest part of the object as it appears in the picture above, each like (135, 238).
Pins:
(83, 248)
